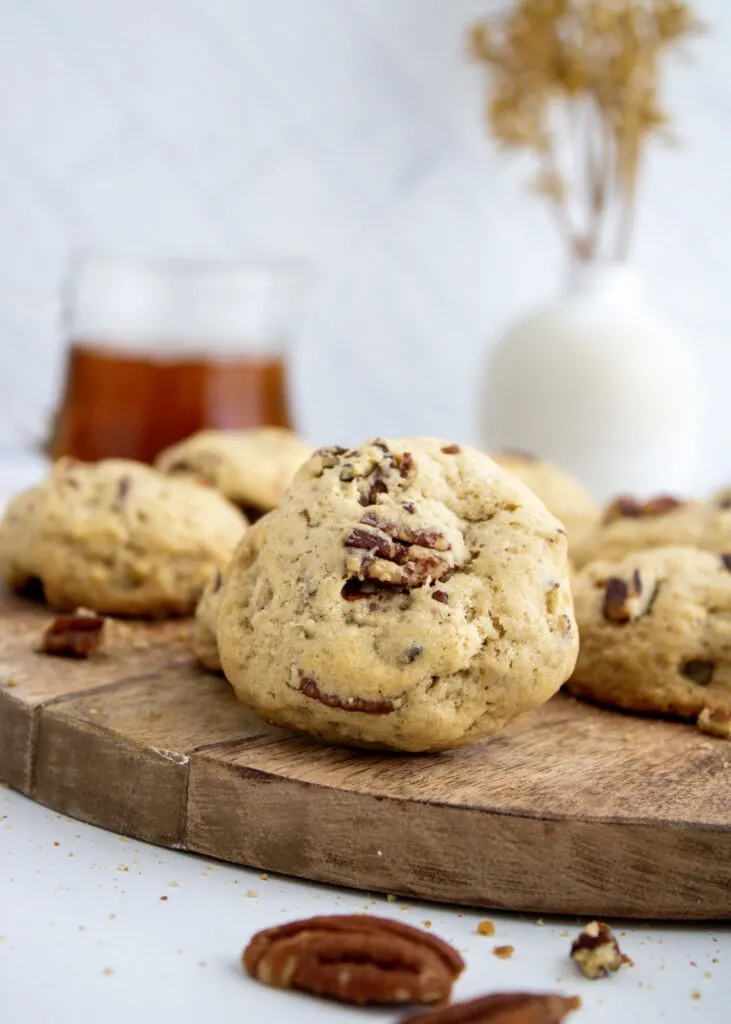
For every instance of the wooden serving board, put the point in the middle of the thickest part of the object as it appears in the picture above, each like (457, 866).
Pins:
(573, 809)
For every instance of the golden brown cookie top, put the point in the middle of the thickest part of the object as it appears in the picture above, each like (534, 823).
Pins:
(118, 536)
(249, 467)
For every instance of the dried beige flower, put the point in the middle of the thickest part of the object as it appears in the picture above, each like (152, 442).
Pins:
(581, 76)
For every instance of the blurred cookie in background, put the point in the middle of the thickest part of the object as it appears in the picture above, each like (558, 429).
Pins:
(118, 537)
(252, 468)
(562, 494)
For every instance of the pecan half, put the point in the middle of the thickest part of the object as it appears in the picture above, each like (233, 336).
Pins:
(596, 951)
(504, 1008)
(395, 553)
(309, 687)
(715, 723)
(73, 636)
(355, 958)
(627, 507)
(698, 670)
(627, 600)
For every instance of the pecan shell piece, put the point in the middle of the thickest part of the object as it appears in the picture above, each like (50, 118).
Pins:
(355, 958)
(504, 1008)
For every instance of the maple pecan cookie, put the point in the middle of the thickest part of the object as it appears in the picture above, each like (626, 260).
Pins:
(205, 643)
(408, 594)
(118, 537)
(656, 632)
(252, 468)
(562, 494)
(663, 521)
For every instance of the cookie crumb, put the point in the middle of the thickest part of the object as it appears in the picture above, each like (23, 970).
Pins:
(596, 951)
(565, 933)
(391, 898)
(427, 924)
(715, 723)
(163, 898)
(504, 952)
(707, 974)
(252, 895)
(539, 922)
(108, 971)
(264, 877)
(10, 683)
(485, 928)
(695, 994)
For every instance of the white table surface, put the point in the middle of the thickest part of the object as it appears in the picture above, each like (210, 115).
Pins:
(95, 926)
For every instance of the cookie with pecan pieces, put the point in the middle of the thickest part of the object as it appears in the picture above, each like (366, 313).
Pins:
(408, 594)
(656, 632)
(662, 521)
(252, 468)
(562, 494)
(118, 537)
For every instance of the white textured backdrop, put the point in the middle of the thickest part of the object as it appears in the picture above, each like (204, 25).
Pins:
(347, 132)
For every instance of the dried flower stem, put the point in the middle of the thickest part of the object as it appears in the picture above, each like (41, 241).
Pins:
(599, 60)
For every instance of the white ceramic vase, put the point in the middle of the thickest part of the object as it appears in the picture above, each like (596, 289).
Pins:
(600, 383)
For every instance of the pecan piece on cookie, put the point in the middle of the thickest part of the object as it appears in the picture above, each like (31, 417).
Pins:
(698, 670)
(627, 600)
(596, 951)
(310, 688)
(73, 636)
(395, 553)
(627, 507)
(355, 958)
(504, 1008)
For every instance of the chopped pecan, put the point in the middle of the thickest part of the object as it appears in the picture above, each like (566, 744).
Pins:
(441, 596)
(310, 688)
(326, 458)
(504, 1008)
(395, 553)
(124, 485)
(414, 652)
(715, 722)
(355, 958)
(73, 636)
(504, 952)
(627, 507)
(596, 951)
(451, 449)
(726, 562)
(217, 582)
(698, 670)
(627, 600)
(408, 506)
(378, 477)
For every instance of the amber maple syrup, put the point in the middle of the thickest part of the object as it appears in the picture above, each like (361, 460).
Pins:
(131, 405)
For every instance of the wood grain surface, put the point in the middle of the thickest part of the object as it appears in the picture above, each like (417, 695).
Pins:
(572, 809)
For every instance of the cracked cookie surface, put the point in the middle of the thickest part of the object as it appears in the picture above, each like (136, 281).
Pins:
(252, 468)
(656, 632)
(118, 537)
(408, 594)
